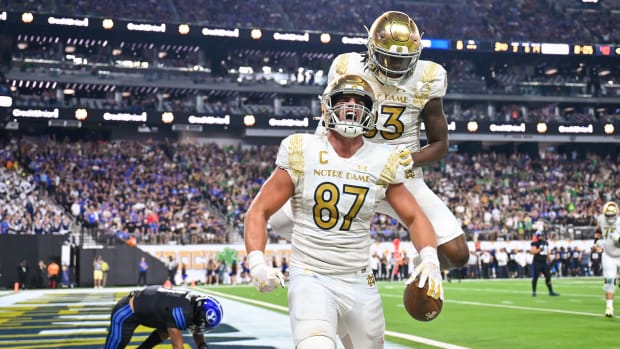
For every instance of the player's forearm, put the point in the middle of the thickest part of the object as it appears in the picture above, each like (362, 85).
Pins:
(436, 133)
(431, 153)
(176, 337)
(199, 339)
(423, 239)
(255, 231)
(422, 233)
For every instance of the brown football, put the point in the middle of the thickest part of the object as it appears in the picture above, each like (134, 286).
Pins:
(420, 306)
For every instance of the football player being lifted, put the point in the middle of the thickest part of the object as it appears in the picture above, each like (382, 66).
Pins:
(607, 236)
(334, 181)
(409, 92)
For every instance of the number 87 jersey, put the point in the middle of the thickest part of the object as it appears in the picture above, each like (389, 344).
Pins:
(335, 200)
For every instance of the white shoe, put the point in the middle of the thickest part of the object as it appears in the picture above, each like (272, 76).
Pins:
(609, 312)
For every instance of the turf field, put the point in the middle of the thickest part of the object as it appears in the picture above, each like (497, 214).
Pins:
(476, 314)
(490, 314)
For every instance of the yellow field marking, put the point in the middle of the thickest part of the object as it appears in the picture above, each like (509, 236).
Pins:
(68, 312)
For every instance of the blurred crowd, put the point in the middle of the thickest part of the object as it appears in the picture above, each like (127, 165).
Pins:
(189, 192)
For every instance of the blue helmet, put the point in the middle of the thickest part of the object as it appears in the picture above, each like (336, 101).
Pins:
(213, 311)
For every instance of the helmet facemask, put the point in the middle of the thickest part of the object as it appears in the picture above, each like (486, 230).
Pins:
(341, 114)
(394, 47)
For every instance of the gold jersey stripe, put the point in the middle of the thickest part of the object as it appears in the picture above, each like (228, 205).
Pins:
(296, 156)
(341, 64)
(388, 174)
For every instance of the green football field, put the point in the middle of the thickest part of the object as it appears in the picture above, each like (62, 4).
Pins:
(489, 314)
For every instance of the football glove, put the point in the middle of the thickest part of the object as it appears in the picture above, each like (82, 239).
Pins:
(264, 278)
(405, 160)
(428, 271)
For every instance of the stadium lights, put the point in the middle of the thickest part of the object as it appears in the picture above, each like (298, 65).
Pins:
(609, 129)
(326, 38)
(472, 126)
(249, 120)
(27, 17)
(541, 127)
(256, 34)
(184, 29)
(246, 70)
(551, 71)
(167, 117)
(107, 24)
(81, 114)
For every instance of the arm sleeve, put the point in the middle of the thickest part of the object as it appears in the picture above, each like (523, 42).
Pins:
(282, 159)
(290, 157)
(335, 70)
(438, 81)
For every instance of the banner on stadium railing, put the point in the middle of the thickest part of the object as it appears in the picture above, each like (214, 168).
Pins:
(184, 121)
(76, 26)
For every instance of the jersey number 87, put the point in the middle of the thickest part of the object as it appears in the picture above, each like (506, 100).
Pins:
(326, 197)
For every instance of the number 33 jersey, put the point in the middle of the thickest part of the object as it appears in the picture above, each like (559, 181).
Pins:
(334, 200)
(399, 107)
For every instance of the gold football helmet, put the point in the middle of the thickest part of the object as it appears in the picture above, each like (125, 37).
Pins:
(394, 47)
(610, 210)
(348, 119)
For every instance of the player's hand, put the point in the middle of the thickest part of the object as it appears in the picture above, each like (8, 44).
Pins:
(264, 278)
(405, 160)
(429, 272)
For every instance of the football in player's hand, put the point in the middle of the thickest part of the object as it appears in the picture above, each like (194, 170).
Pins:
(419, 304)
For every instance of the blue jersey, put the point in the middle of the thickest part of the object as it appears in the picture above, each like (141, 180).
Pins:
(162, 308)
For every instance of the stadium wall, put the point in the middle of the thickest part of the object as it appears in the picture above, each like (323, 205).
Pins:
(195, 257)
(123, 261)
(14, 248)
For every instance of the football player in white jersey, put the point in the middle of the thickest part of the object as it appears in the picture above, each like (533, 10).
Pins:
(334, 181)
(607, 236)
(409, 93)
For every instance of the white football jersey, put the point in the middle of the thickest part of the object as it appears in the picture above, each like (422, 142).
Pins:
(334, 200)
(399, 107)
(611, 236)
